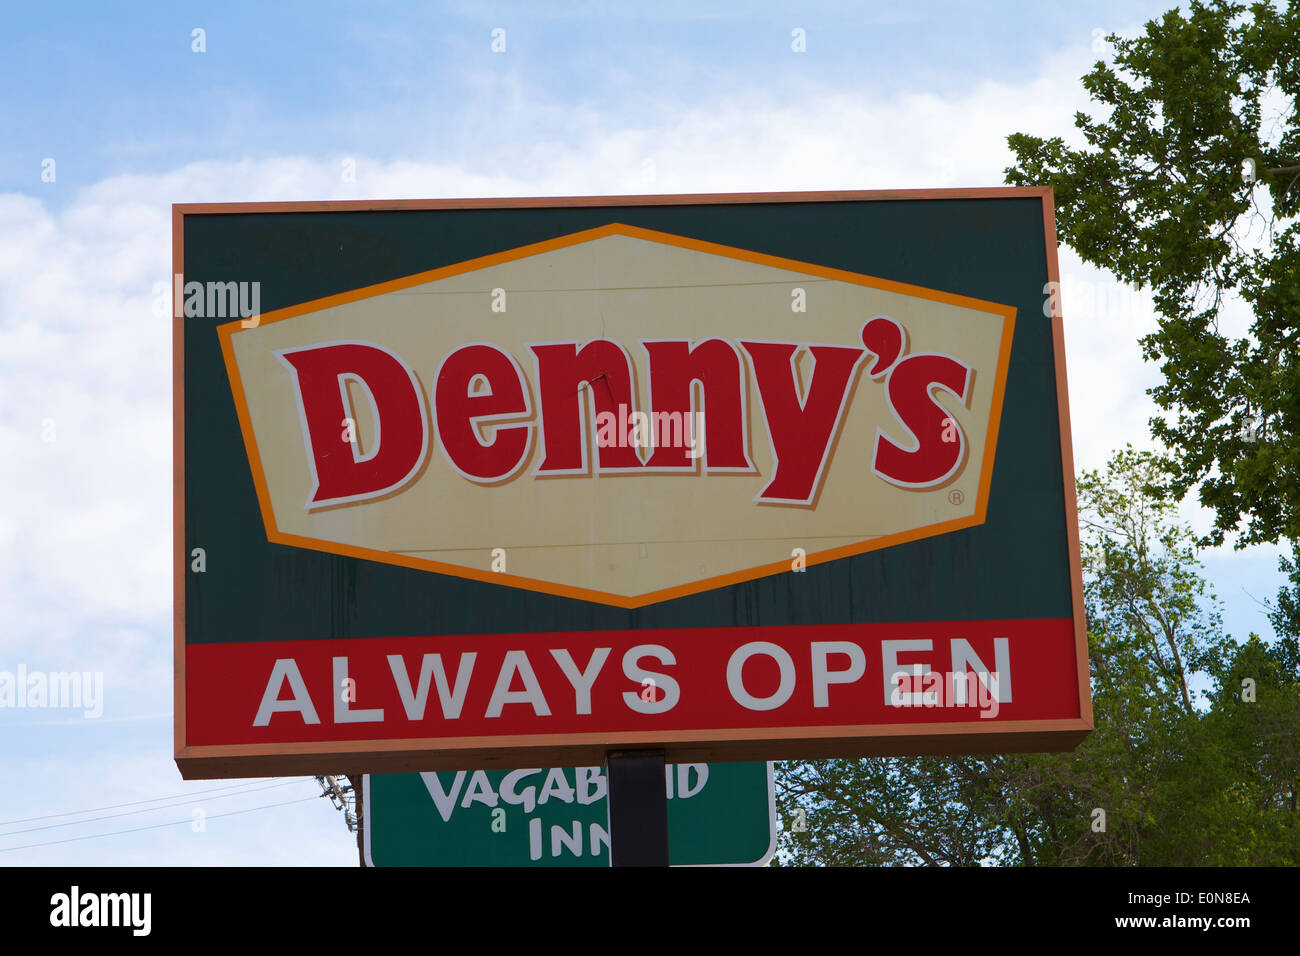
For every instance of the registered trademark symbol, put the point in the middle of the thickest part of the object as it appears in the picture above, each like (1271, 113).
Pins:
(956, 497)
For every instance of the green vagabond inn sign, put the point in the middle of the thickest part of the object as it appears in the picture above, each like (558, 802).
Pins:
(718, 814)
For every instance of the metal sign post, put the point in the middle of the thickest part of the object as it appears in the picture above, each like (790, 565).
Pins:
(638, 808)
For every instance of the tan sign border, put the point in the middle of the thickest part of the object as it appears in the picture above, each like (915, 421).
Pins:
(395, 756)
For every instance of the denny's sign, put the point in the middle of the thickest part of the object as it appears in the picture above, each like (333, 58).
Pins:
(514, 483)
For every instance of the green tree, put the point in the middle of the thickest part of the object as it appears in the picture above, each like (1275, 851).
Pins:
(1158, 196)
(1180, 780)
(1253, 722)
(1284, 615)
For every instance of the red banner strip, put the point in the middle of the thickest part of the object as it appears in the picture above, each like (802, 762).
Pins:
(680, 679)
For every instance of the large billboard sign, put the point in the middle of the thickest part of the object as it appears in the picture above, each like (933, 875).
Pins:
(469, 484)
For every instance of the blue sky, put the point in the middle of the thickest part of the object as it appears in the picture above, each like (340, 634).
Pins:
(587, 98)
(116, 88)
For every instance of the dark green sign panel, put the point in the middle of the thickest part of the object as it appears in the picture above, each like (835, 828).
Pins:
(718, 815)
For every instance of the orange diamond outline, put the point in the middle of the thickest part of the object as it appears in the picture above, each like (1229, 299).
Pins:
(273, 534)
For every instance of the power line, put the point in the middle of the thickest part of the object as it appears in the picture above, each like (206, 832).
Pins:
(134, 803)
(156, 826)
(166, 806)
